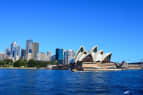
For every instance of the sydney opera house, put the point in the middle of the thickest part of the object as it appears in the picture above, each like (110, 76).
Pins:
(92, 56)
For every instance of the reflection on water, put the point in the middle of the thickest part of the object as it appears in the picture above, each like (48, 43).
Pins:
(48, 82)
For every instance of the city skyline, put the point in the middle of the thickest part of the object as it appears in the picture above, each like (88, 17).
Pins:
(115, 26)
(34, 51)
(15, 53)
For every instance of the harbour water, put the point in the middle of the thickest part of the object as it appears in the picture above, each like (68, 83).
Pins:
(54, 82)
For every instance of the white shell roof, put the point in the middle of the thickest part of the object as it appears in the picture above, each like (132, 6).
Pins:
(96, 55)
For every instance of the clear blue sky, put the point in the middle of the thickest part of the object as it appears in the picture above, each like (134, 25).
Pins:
(114, 25)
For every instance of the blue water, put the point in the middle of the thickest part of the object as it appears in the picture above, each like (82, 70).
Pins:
(48, 82)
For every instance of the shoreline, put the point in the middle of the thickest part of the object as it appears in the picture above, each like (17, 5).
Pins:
(91, 70)
(34, 68)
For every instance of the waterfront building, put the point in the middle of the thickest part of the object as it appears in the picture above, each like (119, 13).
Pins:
(7, 53)
(49, 55)
(29, 44)
(53, 57)
(35, 50)
(18, 50)
(23, 53)
(14, 56)
(29, 56)
(13, 49)
(60, 55)
(68, 56)
(92, 56)
(42, 57)
(2, 56)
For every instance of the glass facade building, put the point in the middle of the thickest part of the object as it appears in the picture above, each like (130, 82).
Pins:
(8, 52)
(23, 53)
(69, 56)
(13, 49)
(60, 55)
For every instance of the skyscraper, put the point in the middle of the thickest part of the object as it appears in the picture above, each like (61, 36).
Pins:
(68, 56)
(23, 53)
(49, 55)
(35, 50)
(8, 52)
(18, 50)
(29, 44)
(13, 50)
(60, 55)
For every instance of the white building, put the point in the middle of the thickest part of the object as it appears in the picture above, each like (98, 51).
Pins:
(14, 52)
(49, 55)
(29, 56)
(92, 56)
(2, 56)
(68, 56)
(43, 57)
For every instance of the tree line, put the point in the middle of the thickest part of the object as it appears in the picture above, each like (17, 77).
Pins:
(25, 63)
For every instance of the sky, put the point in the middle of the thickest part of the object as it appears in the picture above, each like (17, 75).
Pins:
(113, 25)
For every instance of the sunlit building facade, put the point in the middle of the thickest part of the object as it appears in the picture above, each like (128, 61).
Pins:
(35, 50)
(29, 44)
(92, 56)
(68, 56)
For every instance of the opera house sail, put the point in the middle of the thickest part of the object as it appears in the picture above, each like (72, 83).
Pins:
(92, 56)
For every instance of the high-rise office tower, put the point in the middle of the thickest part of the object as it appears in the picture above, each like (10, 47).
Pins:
(13, 50)
(49, 55)
(23, 53)
(60, 55)
(18, 50)
(35, 50)
(29, 44)
(8, 52)
(68, 56)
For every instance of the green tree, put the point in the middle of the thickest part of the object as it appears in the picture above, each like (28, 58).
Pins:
(20, 63)
(1, 63)
(54, 62)
(38, 64)
(31, 63)
(6, 63)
